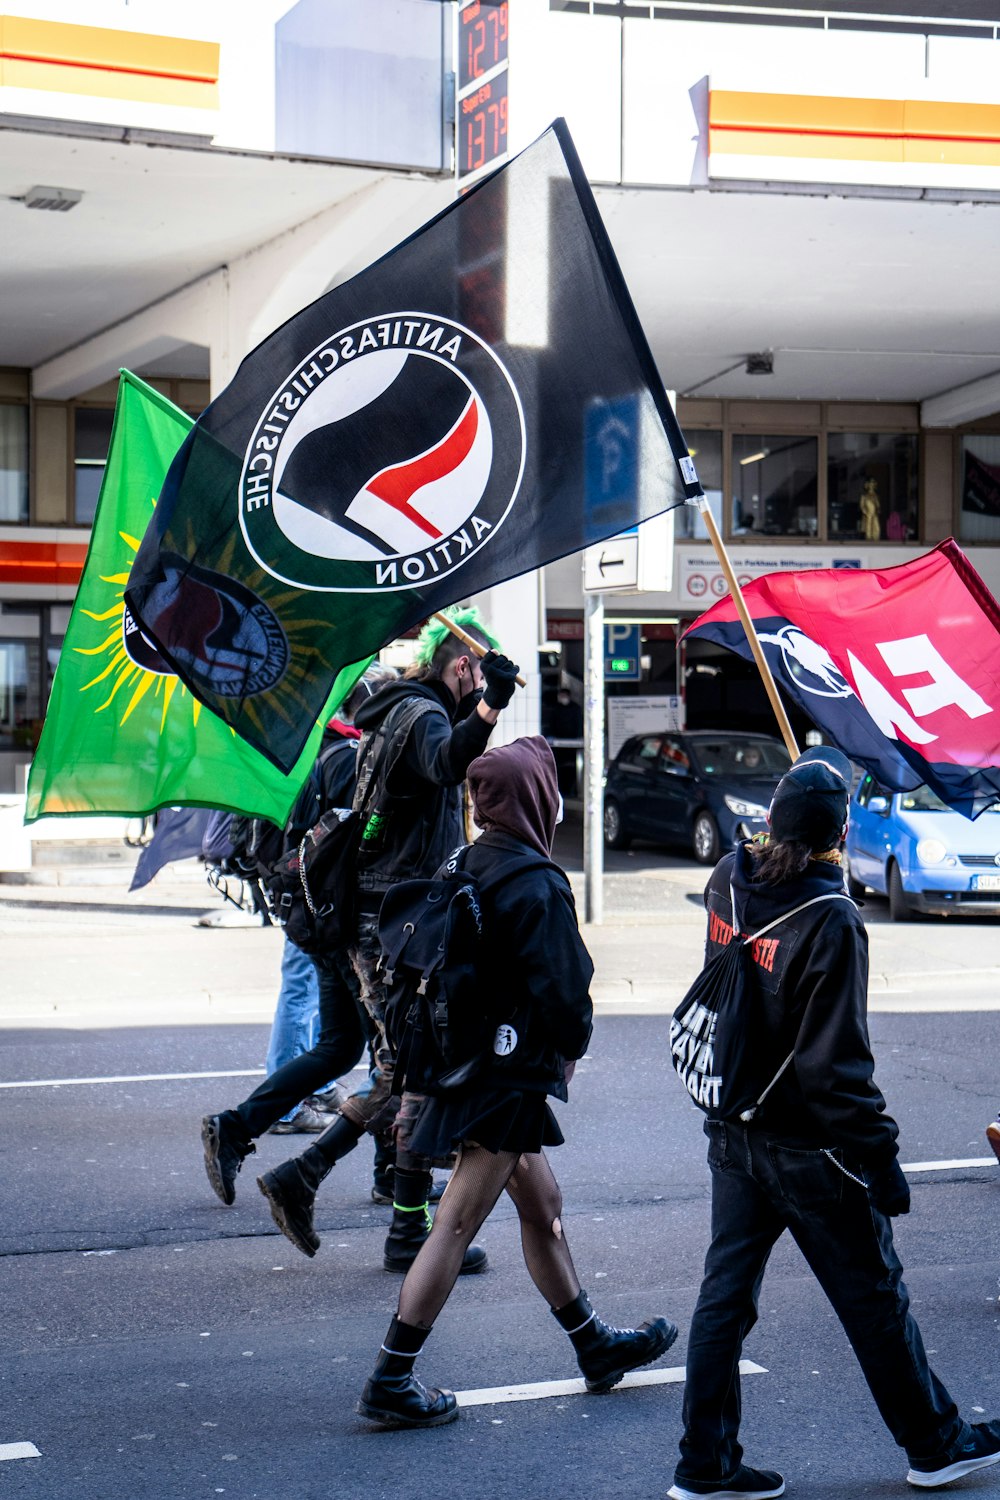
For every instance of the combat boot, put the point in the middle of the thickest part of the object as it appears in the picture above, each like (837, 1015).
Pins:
(606, 1354)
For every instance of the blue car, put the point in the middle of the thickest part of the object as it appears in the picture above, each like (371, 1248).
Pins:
(923, 855)
(702, 791)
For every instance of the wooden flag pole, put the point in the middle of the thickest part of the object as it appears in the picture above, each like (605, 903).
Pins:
(467, 639)
(744, 614)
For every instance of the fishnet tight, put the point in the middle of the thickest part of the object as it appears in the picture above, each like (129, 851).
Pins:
(479, 1178)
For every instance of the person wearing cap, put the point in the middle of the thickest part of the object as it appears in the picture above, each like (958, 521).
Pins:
(818, 1157)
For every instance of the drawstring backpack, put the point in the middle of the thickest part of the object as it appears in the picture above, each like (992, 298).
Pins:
(715, 1046)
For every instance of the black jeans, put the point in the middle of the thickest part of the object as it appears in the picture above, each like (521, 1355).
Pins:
(344, 1030)
(761, 1185)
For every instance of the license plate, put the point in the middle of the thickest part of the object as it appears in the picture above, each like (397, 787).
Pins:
(987, 882)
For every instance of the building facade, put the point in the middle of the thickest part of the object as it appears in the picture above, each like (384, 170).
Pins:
(805, 201)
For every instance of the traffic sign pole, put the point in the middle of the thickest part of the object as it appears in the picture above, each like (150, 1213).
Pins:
(593, 758)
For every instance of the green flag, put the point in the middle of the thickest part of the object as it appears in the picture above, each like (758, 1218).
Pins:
(122, 734)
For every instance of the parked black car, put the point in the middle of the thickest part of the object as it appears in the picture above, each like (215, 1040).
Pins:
(703, 790)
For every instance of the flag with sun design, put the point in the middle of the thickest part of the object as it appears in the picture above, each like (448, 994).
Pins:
(122, 734)
(477, 403)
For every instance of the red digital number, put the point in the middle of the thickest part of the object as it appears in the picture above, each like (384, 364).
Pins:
(484, 29)
(476, 48)
(475, 141)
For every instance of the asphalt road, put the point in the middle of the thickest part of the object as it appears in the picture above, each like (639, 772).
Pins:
(157, 1346)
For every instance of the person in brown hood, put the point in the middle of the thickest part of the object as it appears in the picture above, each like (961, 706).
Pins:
(534, 977)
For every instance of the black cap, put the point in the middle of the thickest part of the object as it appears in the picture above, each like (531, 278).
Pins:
(810, 803)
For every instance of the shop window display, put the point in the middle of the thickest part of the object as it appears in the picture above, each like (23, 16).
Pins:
(872, 493)
(705, 447)
(979, 488)
(13, 464)
(774, 485)
(92, 438)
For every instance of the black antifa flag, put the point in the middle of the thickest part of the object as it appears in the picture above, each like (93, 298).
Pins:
(477, 403)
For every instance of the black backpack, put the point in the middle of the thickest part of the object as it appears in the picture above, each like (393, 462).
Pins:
(310, 885)
(717, 1043)
(434, 948)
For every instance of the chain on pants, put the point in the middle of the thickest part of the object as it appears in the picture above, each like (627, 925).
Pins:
(376, 1110)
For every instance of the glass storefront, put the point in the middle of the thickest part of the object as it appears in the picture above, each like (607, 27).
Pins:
(979, 488)
(13, 464)
(30, 641)
(91, 440)
(872, 487)
(775, 489)
(706, 450)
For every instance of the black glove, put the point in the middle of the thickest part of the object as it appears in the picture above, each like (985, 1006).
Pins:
(501, 679)
(889, 1190)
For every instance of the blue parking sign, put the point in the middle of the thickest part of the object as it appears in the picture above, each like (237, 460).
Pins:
(621, 653)
(611, 457)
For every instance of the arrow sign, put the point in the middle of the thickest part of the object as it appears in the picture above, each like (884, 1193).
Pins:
(612, 565)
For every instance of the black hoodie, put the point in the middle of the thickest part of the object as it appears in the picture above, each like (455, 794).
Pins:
(424, 810)
(812, 984)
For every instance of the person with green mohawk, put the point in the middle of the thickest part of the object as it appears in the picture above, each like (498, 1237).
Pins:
(419, 737)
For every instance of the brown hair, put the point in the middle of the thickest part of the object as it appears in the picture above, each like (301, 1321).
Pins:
(780, 860)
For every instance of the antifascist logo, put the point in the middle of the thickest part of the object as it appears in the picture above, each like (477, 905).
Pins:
(221, 634)
(139, 648)
(385, 460)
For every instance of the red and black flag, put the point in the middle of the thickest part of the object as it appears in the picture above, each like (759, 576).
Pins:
(899, 667)
(478, 402)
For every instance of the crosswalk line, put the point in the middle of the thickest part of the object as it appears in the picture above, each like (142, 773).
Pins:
(499, 1395)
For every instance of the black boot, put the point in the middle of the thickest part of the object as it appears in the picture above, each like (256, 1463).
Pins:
(606, 1354)
(291, 1188)
(411, 1224)
(393, 1395)
(226, 1145)
(384, 1171)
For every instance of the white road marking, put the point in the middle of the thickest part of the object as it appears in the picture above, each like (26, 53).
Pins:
(947, 1166)
(57, 1083)
(18, 1450)
(540, 1390)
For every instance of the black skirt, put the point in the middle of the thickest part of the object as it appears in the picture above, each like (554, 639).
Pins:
(496, 1119)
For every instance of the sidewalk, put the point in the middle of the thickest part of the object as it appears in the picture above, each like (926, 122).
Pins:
(83, 954)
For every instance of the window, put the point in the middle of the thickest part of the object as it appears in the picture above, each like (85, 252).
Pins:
(91, 440)
(13, 464)
(979, 488)
(775, 485)
(18, 704)
(30, 641)
(673, 758)
(872, 486)
(706, 450)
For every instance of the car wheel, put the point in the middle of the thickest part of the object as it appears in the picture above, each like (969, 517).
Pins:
(900, 909)
(855, 888)
(615, 836)
(705, 839)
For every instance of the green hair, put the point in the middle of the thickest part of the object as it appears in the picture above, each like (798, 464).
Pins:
(434, 634)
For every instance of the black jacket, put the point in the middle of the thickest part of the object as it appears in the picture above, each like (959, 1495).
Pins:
(424, 807)
(812, 984)
(537, 970)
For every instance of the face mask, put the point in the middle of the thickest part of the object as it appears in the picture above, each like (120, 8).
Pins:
(466, 705)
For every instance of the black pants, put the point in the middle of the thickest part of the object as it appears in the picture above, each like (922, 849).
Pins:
(761, 1185)
(344, 1030)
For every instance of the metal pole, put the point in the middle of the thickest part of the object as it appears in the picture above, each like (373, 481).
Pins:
(593, 759)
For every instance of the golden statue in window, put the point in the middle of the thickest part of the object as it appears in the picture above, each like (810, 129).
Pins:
(871, 512)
